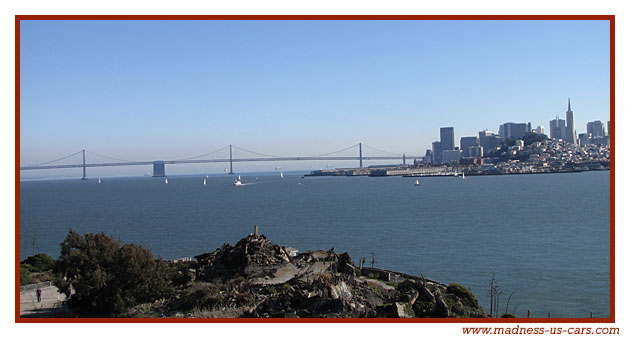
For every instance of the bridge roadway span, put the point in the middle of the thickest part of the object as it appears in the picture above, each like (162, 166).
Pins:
(226, 160)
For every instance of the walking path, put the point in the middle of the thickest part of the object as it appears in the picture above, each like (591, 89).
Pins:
(50, 307)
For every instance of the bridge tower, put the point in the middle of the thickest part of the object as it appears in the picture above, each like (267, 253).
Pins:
(360, 156)
(84, 178)
(158, 169)
(231, 171)
(404, 159)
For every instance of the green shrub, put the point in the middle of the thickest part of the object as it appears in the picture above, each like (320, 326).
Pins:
(463, 293)
(40, 262)
(107, 277)
(508, 315)
(200, 295)
(25, 275)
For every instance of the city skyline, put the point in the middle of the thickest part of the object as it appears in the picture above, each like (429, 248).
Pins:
(146, 90)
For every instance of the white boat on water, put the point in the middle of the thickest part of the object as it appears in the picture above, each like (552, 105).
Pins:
(205, 182)
(281, 175)
(238, 181)
(463, 176)
(166, 181)
(99, 180)
(417, 183)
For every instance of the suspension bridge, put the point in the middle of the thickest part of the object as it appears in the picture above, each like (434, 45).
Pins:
(159, 166)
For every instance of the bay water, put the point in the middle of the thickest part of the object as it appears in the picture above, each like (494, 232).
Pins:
(546, 238)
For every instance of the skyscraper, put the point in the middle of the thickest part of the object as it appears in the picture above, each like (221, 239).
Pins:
(466, 142)
(437, 152)
(488, 140)
(595, 128)
(513, 130)
(570, 131)
(557, 129)
(447, 138)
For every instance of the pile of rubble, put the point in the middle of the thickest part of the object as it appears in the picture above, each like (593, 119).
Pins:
(256, 278)
(253, 256)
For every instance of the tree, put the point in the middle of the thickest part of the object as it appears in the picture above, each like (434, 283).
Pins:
(40, 262)
(531, 138)
(107, 277)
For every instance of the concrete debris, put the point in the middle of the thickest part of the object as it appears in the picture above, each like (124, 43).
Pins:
(257, 278)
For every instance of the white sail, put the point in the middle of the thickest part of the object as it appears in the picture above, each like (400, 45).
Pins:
(281, 175)
(205, 183)
(166, 180)
(99, 180)
(417, 182)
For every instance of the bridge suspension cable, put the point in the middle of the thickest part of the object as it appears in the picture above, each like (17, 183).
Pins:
(255, 153)
(338, 151)
(59, 159)
(382, 151)
(107, 157)
(210, 153)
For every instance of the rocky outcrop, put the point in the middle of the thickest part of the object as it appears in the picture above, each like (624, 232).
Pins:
(257, 278)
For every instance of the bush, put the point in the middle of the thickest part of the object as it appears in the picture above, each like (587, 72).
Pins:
(25, 275)
(463, 293)
(40, 262)
(200, 295)
(508, 315)
(108, 278)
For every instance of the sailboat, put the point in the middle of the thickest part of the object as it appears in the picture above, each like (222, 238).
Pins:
(99, 180)
(166, 181)
(417, 183)
(205, 183)
(463, 176)
(281, 175)
(238, 181)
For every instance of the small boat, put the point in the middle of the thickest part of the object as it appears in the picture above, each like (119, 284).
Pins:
(205, 183)
(417, 183)
(463, 176)
(281, 175)
(166, 181)
(99, 180)
(238, 181)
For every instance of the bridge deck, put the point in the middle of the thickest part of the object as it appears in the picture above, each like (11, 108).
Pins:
(225, 160)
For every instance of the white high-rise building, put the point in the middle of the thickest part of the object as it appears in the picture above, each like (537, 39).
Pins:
(570, 128)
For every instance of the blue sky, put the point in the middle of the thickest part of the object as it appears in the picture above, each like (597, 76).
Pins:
(147, 90)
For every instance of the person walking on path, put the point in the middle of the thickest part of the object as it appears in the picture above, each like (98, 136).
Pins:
(39, 295)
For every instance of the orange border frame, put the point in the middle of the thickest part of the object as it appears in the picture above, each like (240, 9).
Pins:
(19, 18)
